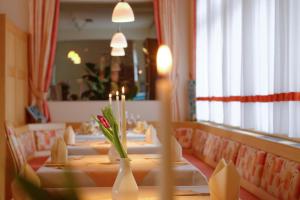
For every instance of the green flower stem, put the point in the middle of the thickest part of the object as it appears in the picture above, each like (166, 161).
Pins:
(118, 144)
(107, 134)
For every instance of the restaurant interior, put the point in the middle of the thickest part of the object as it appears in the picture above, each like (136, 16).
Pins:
(149, 99)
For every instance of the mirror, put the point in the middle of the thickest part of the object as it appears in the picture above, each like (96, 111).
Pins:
(84, 68)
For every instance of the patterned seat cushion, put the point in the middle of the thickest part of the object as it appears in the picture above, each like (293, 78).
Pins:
(281, 178)
(211, 148)
(27, 144)
(198, 143)
(45, 139)
(229, 150)
(250, 163)
(184, 137)
(37, 162)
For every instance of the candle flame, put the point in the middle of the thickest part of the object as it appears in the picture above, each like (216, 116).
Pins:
(110, 95)
(164, 60)
(123, 90)
(117, 93)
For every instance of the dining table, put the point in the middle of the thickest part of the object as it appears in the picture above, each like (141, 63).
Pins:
(101, 147)
(98, 171)
(200, 192)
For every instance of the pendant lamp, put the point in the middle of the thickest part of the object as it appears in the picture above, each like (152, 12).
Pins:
(117, 52)
(118, 40)
(122, 13)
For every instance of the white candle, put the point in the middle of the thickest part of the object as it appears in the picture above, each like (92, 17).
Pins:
(110, 99)
(118, 109)
(164, 89)
(124, 121)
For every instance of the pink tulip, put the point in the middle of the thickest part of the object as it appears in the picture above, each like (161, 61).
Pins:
(103, 121)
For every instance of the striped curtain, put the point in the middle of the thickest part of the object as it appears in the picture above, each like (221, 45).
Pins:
(172, 19)
(43, 25)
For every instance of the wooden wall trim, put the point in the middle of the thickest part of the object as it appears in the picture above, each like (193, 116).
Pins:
(2, 106)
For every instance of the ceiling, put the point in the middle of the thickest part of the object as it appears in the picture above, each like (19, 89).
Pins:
(91, 19)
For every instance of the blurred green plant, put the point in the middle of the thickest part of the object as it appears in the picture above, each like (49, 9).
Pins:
(96, 86)
(99, 88)
(36, 193)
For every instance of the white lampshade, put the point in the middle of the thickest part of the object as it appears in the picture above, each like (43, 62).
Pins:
(117, 52)
(122, 13)
(118, 40)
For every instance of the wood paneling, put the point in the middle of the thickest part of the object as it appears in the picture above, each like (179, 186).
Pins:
(2, 107)
(16, 93)
(13, 90)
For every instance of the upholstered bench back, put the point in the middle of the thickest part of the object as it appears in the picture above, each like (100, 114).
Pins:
(184, 137)
(45, 134)
(281, 177)
(26, 141)
(268, 169)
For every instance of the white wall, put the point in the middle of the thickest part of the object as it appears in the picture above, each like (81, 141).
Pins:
(17, 12)
(80, 111)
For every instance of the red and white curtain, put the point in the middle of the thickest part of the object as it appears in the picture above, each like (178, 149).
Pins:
(248, 64)
(172, 24)
(43, 25)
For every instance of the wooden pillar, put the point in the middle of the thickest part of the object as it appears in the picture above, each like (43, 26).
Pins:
(2, 107)
(13, 92)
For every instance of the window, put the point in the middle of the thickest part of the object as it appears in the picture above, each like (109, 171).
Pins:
(248, 64)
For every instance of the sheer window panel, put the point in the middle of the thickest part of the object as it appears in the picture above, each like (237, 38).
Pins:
(257, 116)
(294, 116)
(202, 110)
(202, 56)
(286, 118)
(232, 113)
(216, 112)
(249, 47)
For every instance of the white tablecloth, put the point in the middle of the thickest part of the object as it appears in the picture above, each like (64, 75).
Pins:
(100, 136)
(102, 148)
(97, 171)
(145, 193)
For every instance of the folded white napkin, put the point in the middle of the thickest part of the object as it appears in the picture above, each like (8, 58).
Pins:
(177, 154)
(69, 135)
(59, 152)
(224, 184)
(151, 135)
(177, 149)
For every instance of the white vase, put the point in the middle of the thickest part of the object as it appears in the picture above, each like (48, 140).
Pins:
(113, 155)
(125, 187)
